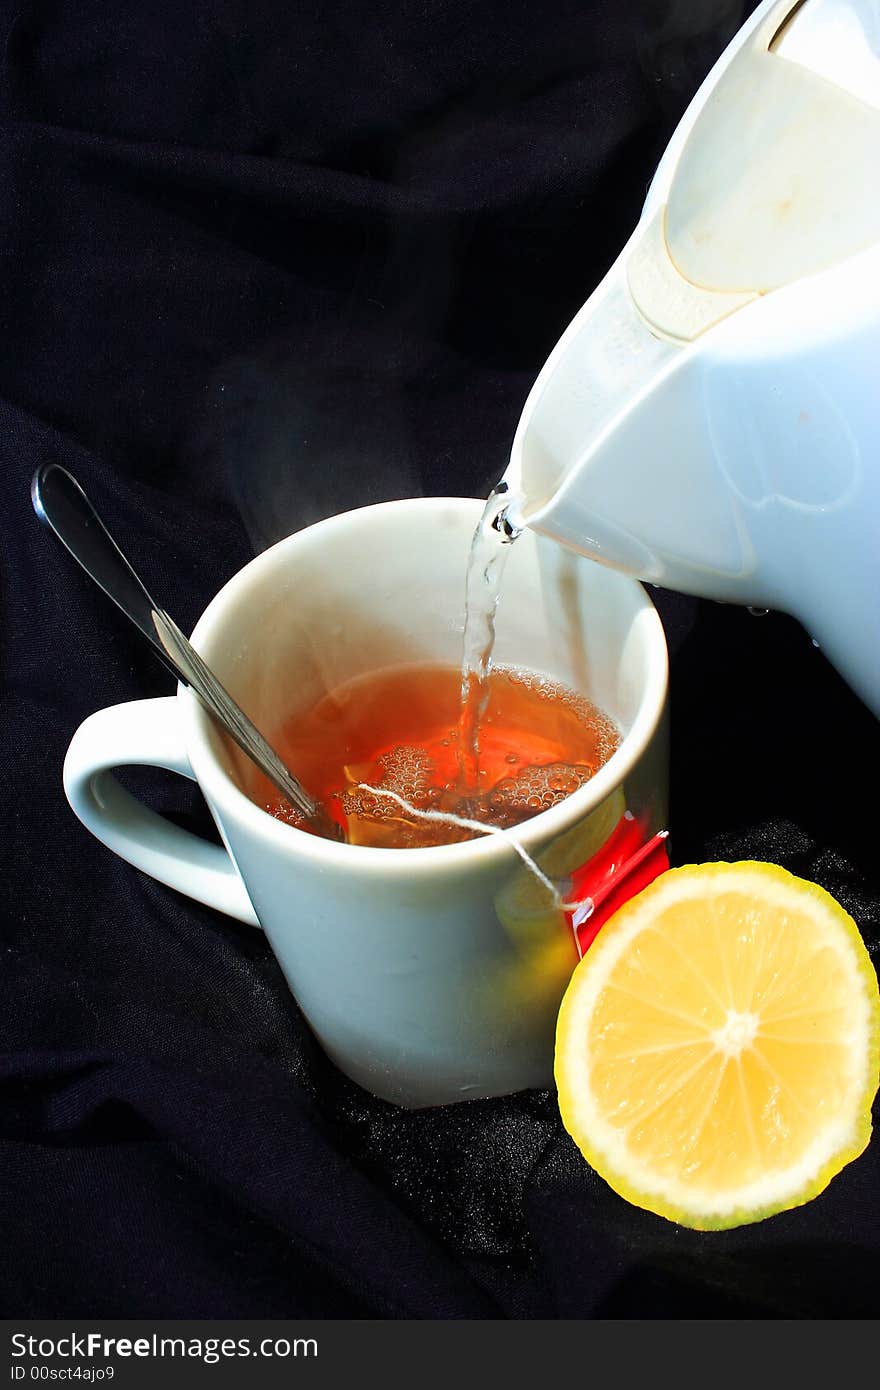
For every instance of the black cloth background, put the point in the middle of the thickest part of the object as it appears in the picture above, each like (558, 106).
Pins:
(264, 260)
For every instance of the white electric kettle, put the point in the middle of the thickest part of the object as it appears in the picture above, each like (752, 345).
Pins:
(710, 420)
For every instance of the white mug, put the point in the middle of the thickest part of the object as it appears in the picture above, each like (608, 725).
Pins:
(428, 975)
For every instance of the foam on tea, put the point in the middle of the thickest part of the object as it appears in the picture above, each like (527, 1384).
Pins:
(399, 729)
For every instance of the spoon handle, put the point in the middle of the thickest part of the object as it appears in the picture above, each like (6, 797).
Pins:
(60, 502)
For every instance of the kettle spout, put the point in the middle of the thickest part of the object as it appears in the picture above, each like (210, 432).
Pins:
(614, 455)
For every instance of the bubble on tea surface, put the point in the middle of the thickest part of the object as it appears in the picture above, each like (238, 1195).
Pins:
(605, 734)
(532, 790)
(379, 821)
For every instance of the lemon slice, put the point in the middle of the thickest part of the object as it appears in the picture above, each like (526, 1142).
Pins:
(717, 1047)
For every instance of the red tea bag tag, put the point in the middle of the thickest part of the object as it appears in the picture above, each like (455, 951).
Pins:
(625, 864)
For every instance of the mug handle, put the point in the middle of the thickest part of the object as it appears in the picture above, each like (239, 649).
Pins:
(147, 732)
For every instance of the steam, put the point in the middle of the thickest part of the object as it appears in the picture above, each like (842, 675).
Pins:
(304, 436)
(401, 339)
(351, 416)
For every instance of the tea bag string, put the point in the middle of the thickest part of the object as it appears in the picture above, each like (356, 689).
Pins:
(583, 906)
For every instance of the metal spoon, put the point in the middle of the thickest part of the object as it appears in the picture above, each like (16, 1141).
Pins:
(61, 504)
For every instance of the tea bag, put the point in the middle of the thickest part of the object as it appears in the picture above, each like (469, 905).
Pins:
(393, 802)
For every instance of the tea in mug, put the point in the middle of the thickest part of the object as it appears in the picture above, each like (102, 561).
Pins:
(400, 730)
